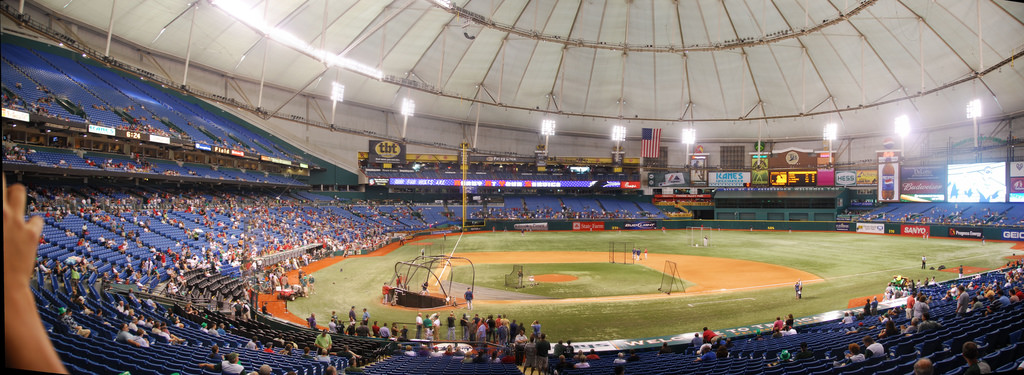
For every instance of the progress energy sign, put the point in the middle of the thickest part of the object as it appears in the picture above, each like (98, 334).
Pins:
(728, 178)
(965, 232)
(386, 152)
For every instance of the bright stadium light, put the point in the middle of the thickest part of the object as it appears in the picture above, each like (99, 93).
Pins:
(246, 14)
(337, 92)
(408, 107)
(974, 109)
(903, 126)
(689, 136)
(618, 133)
(830, 132)
(547, 128)
(973, 112)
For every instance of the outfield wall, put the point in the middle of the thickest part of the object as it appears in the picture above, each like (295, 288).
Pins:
(918, 230)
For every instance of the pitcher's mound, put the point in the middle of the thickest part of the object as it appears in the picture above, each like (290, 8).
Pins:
(554, 278)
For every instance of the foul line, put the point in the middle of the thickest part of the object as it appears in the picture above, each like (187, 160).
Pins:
(445, 267)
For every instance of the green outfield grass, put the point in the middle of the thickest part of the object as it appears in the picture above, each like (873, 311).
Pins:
(853, 265)
(593, 279)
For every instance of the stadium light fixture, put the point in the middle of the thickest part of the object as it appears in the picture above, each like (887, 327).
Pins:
(689, 136)
(903, 126)
(337, 92)
(974, 109)
(408, 107)
(618, 133)
(547, 128)
(973, 112)
(247, 15)
(447, 4)
(830, 132)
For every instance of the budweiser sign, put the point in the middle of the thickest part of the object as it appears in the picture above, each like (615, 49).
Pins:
(922, 187)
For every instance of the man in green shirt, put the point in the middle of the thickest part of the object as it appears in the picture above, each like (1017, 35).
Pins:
(323, 341)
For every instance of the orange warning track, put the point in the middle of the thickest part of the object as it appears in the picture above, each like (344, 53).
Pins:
(967, 270)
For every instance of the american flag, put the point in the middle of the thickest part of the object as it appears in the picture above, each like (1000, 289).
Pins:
(650, 143)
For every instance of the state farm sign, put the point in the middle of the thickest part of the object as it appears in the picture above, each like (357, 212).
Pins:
(915, 230)
(588, 225)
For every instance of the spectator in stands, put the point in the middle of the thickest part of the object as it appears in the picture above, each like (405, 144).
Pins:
(323, 341)
(706, 354)
(889, 331)
(722, 352)
(311, 320)
(805, 352)
(72, 325)
(927, 324)
(697, 341)
(664, 349)
(384, 332)
(975, 366)
(854, 354)
(251, 345)
(923, 366)
(230, 365)
(409, 352)
(633, 357)
(963, 301)
(621, 358)
(323, 356)
(543, 347)
(125, 337)
(876, 349)
(582, 363)
(265, 370)
(530, 354)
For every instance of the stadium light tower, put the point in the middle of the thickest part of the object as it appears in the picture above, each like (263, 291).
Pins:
(337, 95)
(408, 109)
(902, 129)
(689, 138)
(547, 129)
(973, 112)
(829, 134)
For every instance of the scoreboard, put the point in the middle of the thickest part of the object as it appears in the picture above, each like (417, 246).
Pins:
(794, 178)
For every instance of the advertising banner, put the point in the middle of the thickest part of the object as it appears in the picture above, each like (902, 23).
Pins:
(923, 184)
(728, 178)
(1013, 235)
(386, 152)
(846, 178)
(675, 179)
(965, 232)
(826, 177)
(867, 177)
(870, 228)
(102, 130)
(793, 159)
(1017, 169)
(698, 173)
(915, 230)
(888, 176)
(587, 225)
(641, 225)
(1016, 189)
(843, 227)
(759, 170)
(531, 226)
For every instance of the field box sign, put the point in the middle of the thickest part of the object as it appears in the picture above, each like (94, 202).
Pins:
(870, 228)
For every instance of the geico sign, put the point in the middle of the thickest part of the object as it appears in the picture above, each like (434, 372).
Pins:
(1014, 235)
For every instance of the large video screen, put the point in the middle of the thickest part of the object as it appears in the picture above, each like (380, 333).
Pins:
(980, 182)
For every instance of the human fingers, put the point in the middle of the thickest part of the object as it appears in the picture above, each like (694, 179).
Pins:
(15, 200)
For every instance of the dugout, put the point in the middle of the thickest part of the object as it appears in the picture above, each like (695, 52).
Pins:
(780, 205)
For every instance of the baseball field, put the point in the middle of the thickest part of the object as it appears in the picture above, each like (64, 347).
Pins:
(741, 278)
